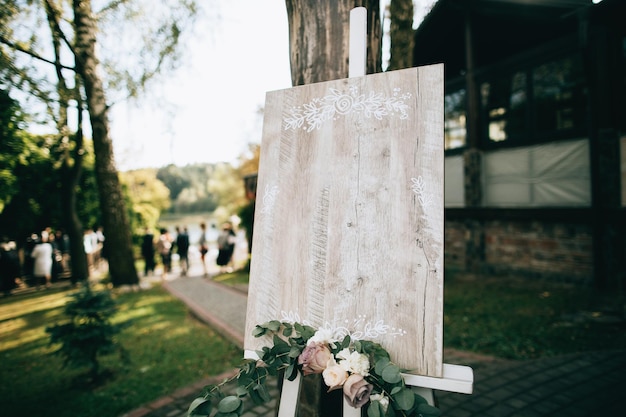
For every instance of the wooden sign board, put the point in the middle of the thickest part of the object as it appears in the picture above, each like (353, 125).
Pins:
(348, 228)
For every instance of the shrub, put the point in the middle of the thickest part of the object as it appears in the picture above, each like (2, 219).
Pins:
(88, 333)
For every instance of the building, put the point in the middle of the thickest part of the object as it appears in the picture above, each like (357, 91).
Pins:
(535, 135)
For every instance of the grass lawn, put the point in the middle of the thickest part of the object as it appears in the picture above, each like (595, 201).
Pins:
(525, 319)
(507, 318)
(168, 349)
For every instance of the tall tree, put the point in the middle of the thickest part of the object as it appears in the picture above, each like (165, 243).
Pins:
(71, 153)
(319, 41)
(114, 217)
(75, 35)
(401, 34)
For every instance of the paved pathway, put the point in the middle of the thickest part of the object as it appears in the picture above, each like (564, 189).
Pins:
(578, 385)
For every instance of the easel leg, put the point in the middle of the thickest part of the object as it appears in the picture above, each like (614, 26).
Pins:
(289, 397)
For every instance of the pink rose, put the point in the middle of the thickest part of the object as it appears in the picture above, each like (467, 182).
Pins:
(357, 390)
(314, 358)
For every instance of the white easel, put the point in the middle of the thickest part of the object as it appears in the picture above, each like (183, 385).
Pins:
(456, 378)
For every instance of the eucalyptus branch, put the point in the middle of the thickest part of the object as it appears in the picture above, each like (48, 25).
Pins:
(362, 369)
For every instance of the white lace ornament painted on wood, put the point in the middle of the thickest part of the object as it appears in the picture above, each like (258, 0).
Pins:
(418, 188)
(269, 198)
(310, 116)
(358, 329)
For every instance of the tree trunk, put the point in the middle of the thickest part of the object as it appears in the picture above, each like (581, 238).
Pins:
(319, 38)
(71, 166)
(319, 47)
(114, 216)
(401, 34)
(71, 176)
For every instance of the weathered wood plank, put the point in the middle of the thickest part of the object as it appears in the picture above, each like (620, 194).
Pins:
(349, 218)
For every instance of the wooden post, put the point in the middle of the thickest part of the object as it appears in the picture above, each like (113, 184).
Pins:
(357, 62)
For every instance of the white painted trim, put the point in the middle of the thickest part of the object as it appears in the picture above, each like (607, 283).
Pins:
(289, 397)
(456, 378)
(357, 61)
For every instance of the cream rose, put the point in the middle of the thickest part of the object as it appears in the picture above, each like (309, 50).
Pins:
(334, 375)
(357, 390)
(354, 362)
(314, 358)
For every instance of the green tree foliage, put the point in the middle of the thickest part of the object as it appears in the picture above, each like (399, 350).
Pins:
(34, 202)
(148, 197)
(12, 146)
(195, 197)
(55, 51)
(227, 186)
(174, 179)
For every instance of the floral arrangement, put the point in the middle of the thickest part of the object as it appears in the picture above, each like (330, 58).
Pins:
(362, 369)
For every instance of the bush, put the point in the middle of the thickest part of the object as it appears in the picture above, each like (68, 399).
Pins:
(88, 333)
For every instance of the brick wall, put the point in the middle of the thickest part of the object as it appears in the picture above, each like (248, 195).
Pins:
(454, 252)
(552, 251)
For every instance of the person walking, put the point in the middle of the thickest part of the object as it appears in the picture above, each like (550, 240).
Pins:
(182, 248)
(147, 252)
(10, 267)
(226, 246)
(164, 249)
(203, 247)
(42, 254)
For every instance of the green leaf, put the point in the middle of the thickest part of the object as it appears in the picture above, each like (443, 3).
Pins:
(427, 410)
(391, 374)
(294, 352)
(405, 399)
(258, 331)
(346, 342)
(380, 365)
(241, 391)
(280, 347)
(229, 404)
(375, 409)
(199, 407)
(291, 372)
(274, 325)
(263, 392)
(420, 400)
(255, 397)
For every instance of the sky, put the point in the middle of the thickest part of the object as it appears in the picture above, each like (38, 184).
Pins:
(208, 110)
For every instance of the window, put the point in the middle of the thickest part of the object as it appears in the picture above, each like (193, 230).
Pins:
(559, 96)
(504, 103)
(533, 104)
(454, 125)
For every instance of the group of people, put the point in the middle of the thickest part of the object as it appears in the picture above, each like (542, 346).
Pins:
(166, 245)
(43, 258)
(41, 261)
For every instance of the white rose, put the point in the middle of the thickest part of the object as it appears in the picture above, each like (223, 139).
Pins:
(355, 362)
(322, 336)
